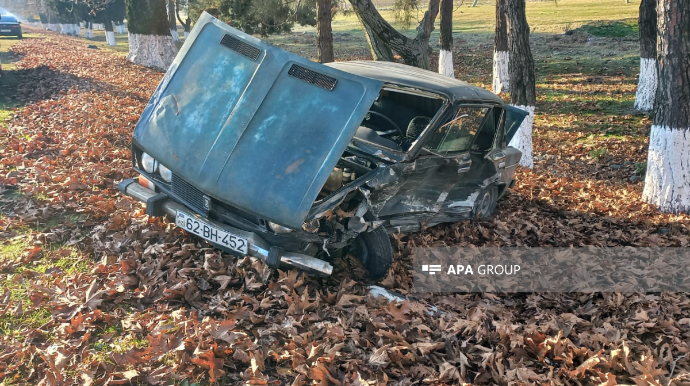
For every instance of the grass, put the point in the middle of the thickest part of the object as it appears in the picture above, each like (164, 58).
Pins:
(8, 81)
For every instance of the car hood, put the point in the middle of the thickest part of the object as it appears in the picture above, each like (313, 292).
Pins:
(250, 124)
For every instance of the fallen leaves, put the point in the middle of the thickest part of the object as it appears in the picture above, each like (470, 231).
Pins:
(157, 306)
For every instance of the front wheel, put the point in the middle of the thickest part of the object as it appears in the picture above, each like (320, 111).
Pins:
(486, 202)
(375, 251)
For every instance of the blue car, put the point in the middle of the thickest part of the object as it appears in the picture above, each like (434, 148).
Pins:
(268, 154)
(10, 26)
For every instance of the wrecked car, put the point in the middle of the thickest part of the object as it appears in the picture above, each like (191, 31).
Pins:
(264, 153)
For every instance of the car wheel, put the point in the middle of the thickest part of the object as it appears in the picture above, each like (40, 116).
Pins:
(486, 202)
(20, 36)
(374, 250)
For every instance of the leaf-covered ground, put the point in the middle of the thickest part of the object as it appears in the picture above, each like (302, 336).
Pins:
(92, 291)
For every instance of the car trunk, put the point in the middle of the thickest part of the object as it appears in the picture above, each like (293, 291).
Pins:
(252, 125)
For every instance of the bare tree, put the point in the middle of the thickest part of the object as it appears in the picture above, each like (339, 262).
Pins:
(383, 38)
(445, 57)
(667, 182)
(501, 79)
(324, 33)
(522, 78)
(646, 86)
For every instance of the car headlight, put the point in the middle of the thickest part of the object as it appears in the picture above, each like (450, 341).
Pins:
(165, 173)
(278, 228)
(149, 164)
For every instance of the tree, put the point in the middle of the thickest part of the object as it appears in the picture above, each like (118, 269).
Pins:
(646, 86)
(445, 57)
(106, 12)
(66, 14)
(187, 23)
(667, 182)
(150, 43)
(324, 33)
(501, 76)
(522, 78)
(172, 14)
(383, 38)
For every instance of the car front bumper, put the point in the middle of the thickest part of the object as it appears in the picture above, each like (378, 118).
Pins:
(258, 247)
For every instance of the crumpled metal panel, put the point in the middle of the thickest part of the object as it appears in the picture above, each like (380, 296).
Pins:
(245, 131)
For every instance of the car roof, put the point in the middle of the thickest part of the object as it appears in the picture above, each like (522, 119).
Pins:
(397, 73)
(7, 18)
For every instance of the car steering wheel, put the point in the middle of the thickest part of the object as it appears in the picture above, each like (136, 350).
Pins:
(390, 121)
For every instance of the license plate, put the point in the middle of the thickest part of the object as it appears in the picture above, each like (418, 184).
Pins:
(211, 232)
(5, 30)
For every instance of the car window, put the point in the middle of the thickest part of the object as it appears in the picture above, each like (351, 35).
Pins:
(457, 135)
(6, 18)
(485, 138)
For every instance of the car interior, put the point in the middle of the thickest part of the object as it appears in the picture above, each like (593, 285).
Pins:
(397, 119)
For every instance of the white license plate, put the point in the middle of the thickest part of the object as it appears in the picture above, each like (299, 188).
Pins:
(5, 30)
(211, 232)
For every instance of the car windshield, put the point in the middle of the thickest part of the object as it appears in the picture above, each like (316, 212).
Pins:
(398, 118)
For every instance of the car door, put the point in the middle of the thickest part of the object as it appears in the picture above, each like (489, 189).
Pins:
(480, 158)
(424, 184)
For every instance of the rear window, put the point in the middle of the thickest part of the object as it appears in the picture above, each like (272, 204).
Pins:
(6, 18)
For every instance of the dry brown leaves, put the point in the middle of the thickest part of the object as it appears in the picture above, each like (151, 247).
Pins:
(169, 308)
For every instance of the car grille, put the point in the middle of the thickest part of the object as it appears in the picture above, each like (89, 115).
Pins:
(320, 80)
(191, 196)
(240, 47)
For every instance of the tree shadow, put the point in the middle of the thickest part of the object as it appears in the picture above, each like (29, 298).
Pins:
(42, 83)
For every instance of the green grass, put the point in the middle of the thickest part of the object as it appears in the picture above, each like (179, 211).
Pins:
(613, 29)
(8, 81)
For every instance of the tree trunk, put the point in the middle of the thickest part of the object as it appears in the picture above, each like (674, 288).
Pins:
(501, 76)
(109, 33)
(379, 50)
(522, 79)
(667, 183)
(187, 24)
(324, 33)
(474, 4)
(646, 86)
(171, 19)
(414, 52)
(150, 43)
(445, 57)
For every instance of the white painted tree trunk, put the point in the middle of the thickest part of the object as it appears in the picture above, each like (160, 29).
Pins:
(186, 35)
(445, 63)
(646, 85)
(522, 140)
(175, 35)
(110, 38)
(501, 81)
(155, 51)
(667, 182)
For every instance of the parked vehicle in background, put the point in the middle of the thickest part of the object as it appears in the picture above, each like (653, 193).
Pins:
(268, 154)
(10, 26)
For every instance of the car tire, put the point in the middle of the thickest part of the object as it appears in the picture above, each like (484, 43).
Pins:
(374, 250)
(20, 36)
(486, 202)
